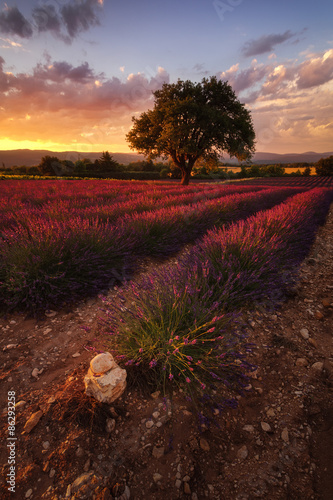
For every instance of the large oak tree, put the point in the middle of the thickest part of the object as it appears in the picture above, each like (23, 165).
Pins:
(191, 121)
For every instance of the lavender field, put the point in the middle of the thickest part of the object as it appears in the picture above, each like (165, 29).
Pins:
(64, 241)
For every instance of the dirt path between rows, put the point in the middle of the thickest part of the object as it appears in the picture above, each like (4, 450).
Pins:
(277, 444)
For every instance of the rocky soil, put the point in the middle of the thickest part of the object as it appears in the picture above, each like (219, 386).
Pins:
(277, 444)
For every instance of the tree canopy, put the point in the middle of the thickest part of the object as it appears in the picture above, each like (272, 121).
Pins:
(191, 121)
(324, 166)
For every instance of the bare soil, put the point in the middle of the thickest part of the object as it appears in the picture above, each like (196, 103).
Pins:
(277, 444)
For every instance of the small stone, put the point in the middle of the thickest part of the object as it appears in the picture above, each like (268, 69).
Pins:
(187, 489)
(52, 473)
(319, 315)
(156, 414)
(80, 481)
(270, 412)
(20, 404)
(204, 444)
(28, 493)
(156, 394)
(79, 452)
(157, 477)
(10, 346)
(158, 452)
(313, 342)
(50, 314)
(305, 333)
(32, 421)
(47, 331)
(102, 363)
(301, 362)
(285, 435)
(248, 428)
(86, 466)
(242, 453)
(265, 427)
(318, 366)
(326, 302)
(149, 424)
(35, 372)
(178, 483)
(76, 355)
(51, 400)
(46, 445)
(110, 425)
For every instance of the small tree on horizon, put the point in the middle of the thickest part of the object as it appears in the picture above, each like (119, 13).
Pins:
(324, 166)
(192, 121)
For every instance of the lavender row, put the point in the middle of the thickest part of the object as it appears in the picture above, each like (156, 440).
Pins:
(48, 263)
(177, 323)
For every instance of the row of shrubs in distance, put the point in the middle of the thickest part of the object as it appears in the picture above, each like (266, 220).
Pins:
(105, 205)
(177, 325)
(45, 263)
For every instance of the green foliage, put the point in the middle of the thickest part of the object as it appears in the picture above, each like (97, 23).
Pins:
(192, 121)
(324, 166)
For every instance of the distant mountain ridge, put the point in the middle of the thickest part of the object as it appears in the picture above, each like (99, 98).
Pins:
(31, 157)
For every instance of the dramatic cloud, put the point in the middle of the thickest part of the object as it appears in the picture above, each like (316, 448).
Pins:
(66, 23)
(62, 103)
(12, 22)
(241, 80)
(316, 71)
(280, 97)
(265, 43)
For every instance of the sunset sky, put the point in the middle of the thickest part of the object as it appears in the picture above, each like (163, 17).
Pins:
(74, 72)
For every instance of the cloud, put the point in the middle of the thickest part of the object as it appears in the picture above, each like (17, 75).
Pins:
(265, 43)
(244, 79)
(79, 16)
(64, 100)
(316, 71)
(66, 23)
(12, 22)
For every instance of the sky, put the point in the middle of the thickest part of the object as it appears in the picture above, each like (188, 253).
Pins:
(73, 73)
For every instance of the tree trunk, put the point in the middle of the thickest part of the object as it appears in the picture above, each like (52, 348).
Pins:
(185, 178)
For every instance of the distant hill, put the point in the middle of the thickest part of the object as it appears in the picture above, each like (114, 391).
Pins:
(31, 157)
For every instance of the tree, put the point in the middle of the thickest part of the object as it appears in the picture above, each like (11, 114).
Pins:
(50, 165)
(191, 121)
(324, 166)
(106, 163)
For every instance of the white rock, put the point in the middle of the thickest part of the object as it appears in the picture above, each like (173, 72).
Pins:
(28, 493)
(102, 363)
(35, 372)
(76, 355)
(110, 425)
(157, 477)
(107, 387)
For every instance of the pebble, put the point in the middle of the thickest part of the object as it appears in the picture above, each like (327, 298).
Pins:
(50, 314)
(302, 362)
(187, 489)
(28, 493)
(242, 453)
(319, 315)
(265, 427)
(76, 355)
(326, 302)
(46, 445)
(285, 435)
(110, 425)
(157, 477)
(52, 473)
(318, 366)
(248, 428)
(32, 421)
(204, 444)
(149, 424)
(270, 412)
(156, 414)
(305, 333)
(178, 483)
(35, 372)
(158, 452)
